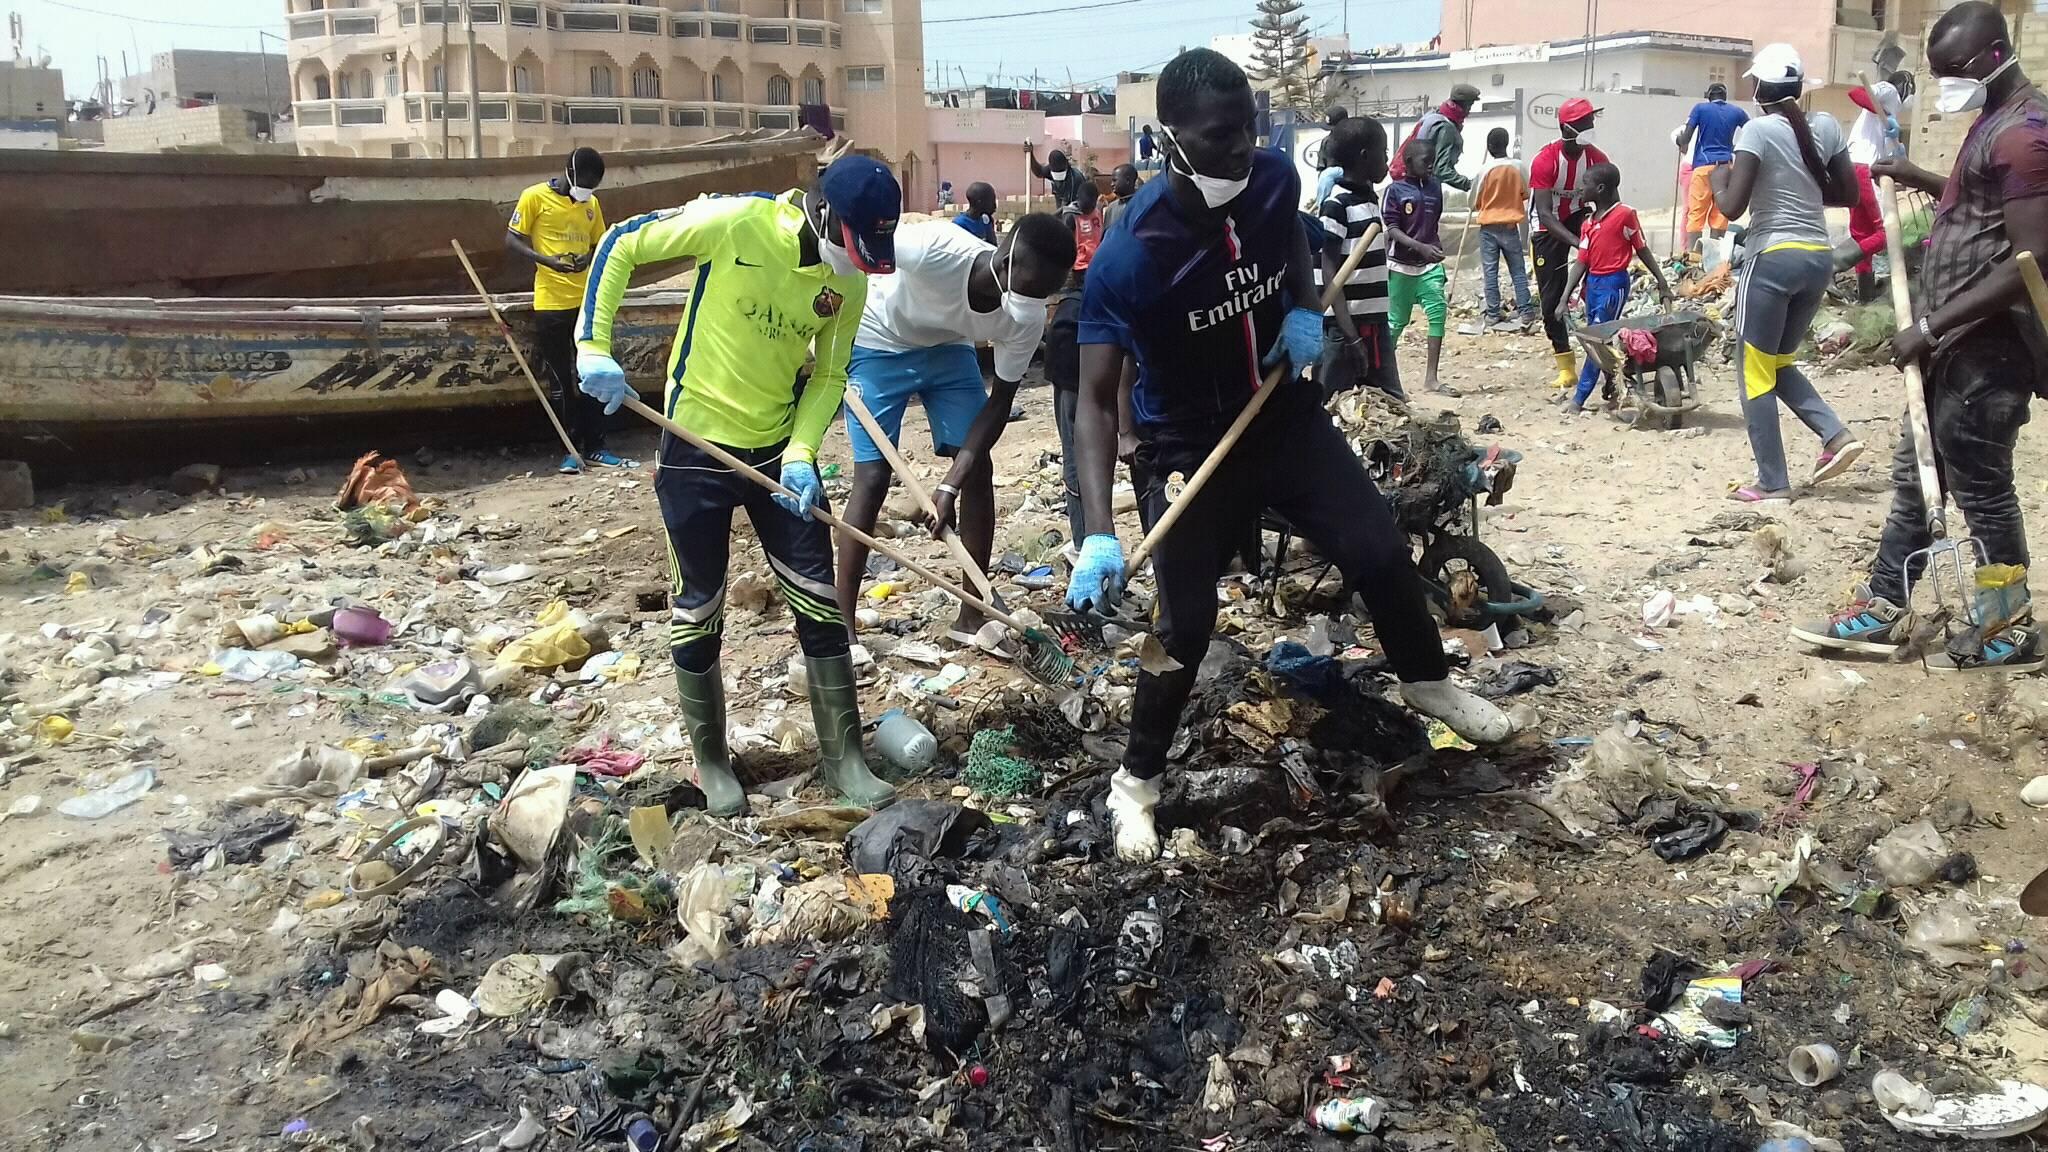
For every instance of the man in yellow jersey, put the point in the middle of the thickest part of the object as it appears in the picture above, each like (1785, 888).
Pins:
(556, 226)
(777, 278)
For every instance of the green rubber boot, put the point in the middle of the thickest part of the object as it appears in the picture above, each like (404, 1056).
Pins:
(702, 695)
(835, 708)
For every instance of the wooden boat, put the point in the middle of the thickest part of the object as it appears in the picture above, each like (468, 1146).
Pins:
(72, 370)
(94, 223)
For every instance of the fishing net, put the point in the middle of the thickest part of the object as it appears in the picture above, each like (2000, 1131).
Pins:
(991, 769)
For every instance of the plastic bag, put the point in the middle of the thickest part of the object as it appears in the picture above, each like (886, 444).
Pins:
(112, 798)
(1910, 855)
(1946, 933)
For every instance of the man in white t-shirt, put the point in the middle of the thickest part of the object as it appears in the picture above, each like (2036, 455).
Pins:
(918, 332)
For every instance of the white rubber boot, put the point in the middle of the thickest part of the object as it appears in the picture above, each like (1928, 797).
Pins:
(1130, 805)
(1468, 715)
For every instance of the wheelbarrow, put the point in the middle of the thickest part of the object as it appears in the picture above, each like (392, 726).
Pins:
(1666, 388)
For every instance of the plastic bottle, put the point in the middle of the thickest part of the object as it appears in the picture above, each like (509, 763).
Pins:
(641, 1134)
(904, 742)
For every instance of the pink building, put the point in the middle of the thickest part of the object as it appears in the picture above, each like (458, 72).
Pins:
(970, 144)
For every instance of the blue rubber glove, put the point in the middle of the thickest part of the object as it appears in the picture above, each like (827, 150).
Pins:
(801, 477)
(1300, 342)
(1097, 582)
(600, 377)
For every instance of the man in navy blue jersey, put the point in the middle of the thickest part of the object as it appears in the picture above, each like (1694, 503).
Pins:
(1207, 283)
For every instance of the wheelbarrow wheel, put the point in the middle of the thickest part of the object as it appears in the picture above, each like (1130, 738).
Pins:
(1464, 576)
(1667, 390)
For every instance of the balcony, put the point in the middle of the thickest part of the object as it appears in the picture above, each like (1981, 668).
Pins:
(541, 113)
(339, 113)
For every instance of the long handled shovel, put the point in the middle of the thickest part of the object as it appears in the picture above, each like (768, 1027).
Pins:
(518, 355)
(1044, 659)
(1945, 561)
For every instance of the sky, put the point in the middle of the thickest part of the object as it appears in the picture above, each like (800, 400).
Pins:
(1058, 39)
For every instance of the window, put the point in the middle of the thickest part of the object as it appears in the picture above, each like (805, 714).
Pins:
(1717, 74)
(814, 89)
(355, 25)
(593, 114)
(688, 28)
(774, 120)
(493, 110)
(778, 90)
(531, 112)
(725, 29)
(811, 37)
(391, 82)
(867, 79)
(643, 115)
(643, 22)
(401, 151)
(485, 13)
(770, 34)
(724, 88)
(686, 117)
(646, 84)
(344, 86)
(322, 90)
(367, 114)
(835, 37)
(600, 80)
(522, 78)
(863, 5)
(590, 21)
(365, 87)
(526, 15)
(407, 16)
(729, 118)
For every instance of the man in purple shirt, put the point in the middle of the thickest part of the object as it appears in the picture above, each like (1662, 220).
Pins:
(1977, 340)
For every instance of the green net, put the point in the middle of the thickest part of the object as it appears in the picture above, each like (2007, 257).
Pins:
(991, 769)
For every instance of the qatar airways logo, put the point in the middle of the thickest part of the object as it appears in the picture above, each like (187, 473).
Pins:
(1247, 290)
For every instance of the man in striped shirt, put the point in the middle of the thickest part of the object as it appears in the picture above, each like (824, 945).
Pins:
(1358, 347)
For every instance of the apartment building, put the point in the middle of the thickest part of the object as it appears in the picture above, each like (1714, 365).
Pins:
(367, 77)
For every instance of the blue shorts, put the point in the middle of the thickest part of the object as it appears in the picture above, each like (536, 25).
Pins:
(946, 380)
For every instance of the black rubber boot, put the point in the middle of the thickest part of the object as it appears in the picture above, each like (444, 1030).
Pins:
(835, 709)
(1866, 287)
(702, 697)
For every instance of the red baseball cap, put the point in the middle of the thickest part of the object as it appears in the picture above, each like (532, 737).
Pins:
(1575, 109)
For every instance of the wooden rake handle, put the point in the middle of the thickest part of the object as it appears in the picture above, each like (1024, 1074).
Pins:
(1332, 293)
(917, 492)
(506, 330)
(1916, 386)
(633, 404)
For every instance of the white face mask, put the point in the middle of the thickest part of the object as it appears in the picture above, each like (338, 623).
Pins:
(1021, 309)
(1955, 94)
(1216, 191)
(579, 194)
(1584, 136)
(837, 258)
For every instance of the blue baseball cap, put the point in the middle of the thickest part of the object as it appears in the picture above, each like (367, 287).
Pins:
(866, 201)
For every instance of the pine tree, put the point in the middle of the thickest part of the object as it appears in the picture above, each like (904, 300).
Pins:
(1280, 53)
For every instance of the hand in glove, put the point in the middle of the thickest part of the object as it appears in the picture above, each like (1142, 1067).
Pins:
(600, 377)
(801, 478)
(1097, 582)
(1300, 342)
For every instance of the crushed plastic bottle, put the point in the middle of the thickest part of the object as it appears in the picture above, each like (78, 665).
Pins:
(1350, 1114)
(112, 798)
(1910, 856)
(904, 742)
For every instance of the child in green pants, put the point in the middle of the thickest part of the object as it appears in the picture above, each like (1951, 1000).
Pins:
(1413, 211)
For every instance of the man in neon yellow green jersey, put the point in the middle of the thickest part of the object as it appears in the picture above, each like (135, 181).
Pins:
(777, 279)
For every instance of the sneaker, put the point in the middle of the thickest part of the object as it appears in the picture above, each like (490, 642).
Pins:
(1833, 464)
(1506, 325)
(1871, 625)
(570, 466)
(2016, 649)
(610, 460)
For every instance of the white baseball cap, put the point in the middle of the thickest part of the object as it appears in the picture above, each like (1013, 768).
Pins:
(1776, 64)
